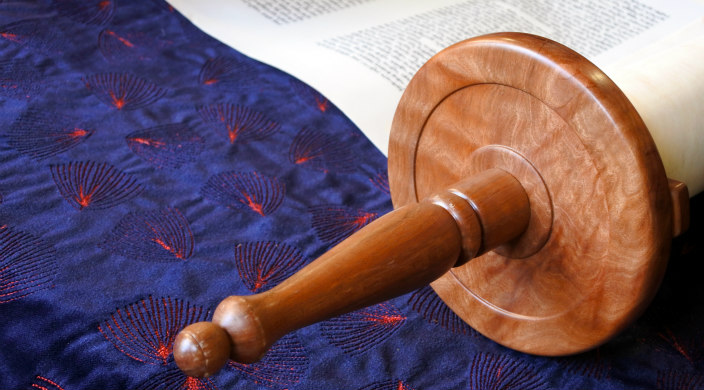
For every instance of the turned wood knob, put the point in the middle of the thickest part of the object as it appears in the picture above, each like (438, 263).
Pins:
(607, 209)
(202, 349)
(399, 252)
(508, 146)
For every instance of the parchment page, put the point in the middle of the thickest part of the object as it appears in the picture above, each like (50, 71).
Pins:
(665, 83)
(361, 53)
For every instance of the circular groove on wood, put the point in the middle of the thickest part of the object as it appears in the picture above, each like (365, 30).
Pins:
(607, 247)
(540, 224)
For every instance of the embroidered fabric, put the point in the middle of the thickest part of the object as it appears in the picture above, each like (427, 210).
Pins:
(147, 171)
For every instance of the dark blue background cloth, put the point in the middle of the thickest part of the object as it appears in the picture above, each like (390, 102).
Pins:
(148, 171)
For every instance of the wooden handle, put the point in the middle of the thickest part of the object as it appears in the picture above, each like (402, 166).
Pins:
(401, 251)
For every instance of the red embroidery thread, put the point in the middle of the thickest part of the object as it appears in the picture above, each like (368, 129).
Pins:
(362, 330)
(43, 383)
(321, 152)
(145, 330)
(588, 364)
(285, 364)
(116, 47)
(222, 69)
(174, 379)
(18, 80)
(263, 265)
(87, 184)
(161, 235)
(166, 146)
(676, 379)
(91, 12)
(388, 385)
(491, 371)
(239, 123)
(381, 181)
(426, 302)
(41, 135)
(249, 190)
(27, 264)
(333, 224)
(310, 95)
(123, 90)
(33, 35)
(678, 344)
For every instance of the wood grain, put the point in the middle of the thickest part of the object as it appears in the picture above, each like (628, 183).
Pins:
(680, 206)
(512, 148)
(397, 253)
(610, 228)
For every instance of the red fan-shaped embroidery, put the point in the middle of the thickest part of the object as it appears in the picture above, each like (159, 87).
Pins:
(18, 80)
(117, 46)
(222, 69)
(87, 184)
(27, 264)
(166, 146)
(92, 12)
(174, 379)
(246, 190)
(333, 224)
(123, 90)
(239, 123)
(688, 347)
(285, 364)
(359, 331)
(676, 379)
(426, 302)
(34, 34)
(490, 371)
(145, 330)
(388, 385)
(309, 95)
(588, 364)
(263, 265)
(381, 181)
(161, 235)
(43, 383)
(40, 135)
(321, 152)
(10, 33)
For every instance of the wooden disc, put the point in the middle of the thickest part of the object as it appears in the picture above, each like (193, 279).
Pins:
(597, 244)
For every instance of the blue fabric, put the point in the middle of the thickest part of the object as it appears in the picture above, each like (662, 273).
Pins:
(148, 171)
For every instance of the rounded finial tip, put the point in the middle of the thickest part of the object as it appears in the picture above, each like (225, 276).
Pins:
(201, 349)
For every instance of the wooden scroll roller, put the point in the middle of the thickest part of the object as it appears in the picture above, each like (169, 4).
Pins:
(518, 154)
